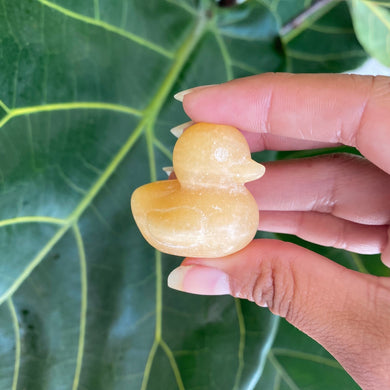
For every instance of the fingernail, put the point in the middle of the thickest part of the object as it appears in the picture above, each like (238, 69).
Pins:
(168, 170)
(199, 280)
(178, 130)
(180, 95)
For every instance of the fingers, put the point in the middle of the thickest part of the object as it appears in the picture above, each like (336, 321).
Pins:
(327, 230)
(263, 141)
(344, 185)
(386, 251)
(348, 109)
(347, 312)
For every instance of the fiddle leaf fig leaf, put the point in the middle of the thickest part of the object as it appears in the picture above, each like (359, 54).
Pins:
(86, 107)
(372, 25)
(295, 362)
(85, 110)
(323, 41)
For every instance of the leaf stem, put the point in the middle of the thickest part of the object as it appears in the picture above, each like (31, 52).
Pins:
(294, 27)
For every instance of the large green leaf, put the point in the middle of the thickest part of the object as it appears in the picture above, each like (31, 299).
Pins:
(85, 108)
(372, 24)
(324, 42)
(296, 362)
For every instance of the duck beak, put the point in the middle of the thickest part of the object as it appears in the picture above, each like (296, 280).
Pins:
(251, 170)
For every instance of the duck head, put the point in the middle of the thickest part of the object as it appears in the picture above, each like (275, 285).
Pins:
(211, 155)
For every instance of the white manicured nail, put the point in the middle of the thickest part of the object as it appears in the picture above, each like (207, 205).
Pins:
(168, 170)
(199, 280)
(180, 95)
(178, 130)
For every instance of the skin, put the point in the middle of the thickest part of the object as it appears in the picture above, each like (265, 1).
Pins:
(338, 200)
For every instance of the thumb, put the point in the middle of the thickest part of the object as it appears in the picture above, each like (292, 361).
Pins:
(345, 311)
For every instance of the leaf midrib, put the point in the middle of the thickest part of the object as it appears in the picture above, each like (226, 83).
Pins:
(149, 113)
(148, 116)
(152, 111)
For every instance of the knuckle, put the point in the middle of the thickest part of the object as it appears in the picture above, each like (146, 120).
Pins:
(274, 287)
(340, 234)
(374, 105)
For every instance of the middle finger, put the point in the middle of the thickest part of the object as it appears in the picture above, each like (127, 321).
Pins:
(344, 185)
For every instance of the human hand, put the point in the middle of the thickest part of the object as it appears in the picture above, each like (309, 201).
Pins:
(334, 200)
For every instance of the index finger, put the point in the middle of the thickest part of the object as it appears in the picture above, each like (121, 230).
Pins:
(338, 108)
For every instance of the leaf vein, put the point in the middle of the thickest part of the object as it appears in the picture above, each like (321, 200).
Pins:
(381, 3)
(162, 148)
(84, 304)
(358, 262)
(331, 29)
(282, 372)
(4, 107)
(378, 13)
(148, 365)
(108, 27)
(324, 57)
(15, 324)
(101, 218)
(32, 219)
(246, 67)
(306, 19)
(241, 346)
(96, 9)
(229, 34)
(306, 356)
(225, 54)
(69, 182)
(183, 5)
(152, 111)
(12, 32)
(34, 263)
(277, 382)
(172, 361)
(15, 112)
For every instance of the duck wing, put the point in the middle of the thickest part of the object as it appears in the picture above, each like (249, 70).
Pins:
(178, 226)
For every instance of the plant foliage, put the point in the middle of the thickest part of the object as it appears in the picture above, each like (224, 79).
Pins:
(85, 108)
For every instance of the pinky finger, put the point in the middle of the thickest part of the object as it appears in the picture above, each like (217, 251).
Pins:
(326, 229)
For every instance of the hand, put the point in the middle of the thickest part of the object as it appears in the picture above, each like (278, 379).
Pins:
(334, 200)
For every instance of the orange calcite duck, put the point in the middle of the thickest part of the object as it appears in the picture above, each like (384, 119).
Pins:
(207, 211)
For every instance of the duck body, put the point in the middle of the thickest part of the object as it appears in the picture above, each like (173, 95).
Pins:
(204, 222)
(207, 211)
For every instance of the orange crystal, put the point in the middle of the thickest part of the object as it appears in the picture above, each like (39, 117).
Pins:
(207, 211)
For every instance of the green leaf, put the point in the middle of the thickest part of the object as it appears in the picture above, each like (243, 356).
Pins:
(372, 24)
(323, 41)
(85, 107)
(296, 362)
(85, 111)
(288, 10)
